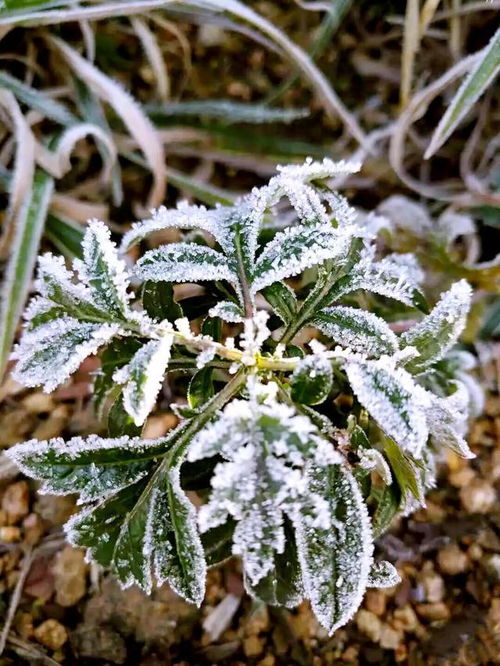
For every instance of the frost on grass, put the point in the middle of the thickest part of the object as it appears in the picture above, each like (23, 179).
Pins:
(285, 482)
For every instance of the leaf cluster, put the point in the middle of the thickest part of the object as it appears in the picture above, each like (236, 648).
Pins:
(309, 423)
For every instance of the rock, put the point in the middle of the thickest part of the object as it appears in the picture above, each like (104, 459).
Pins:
(10, 534)
(70, 573)
(452, 560)
(52, 634)
(33, 529)
(16, 501)
(258, 621)
(102, 642)
(55, 509)
(406, 619)
(433, 586)
(478, 497)
(54, 425)
(433, 612)
(375, 601)
(38, 403)
(491, 565)
(369, 624)
(389, 637)
(253, 646)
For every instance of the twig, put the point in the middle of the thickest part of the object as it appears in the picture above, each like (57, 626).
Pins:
(16, 596)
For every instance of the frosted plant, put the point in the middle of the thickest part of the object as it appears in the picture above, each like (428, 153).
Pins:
(287, 477)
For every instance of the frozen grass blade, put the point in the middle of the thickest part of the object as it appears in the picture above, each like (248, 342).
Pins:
(29, 227)
(130, 113)
(38, 100)
(474, 85)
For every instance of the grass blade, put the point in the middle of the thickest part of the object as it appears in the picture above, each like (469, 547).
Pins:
(474, 85)
(65, 235)
(38, 100)
(30, 222)
(129, 112)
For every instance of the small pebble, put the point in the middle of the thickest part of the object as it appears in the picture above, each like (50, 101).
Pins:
(369, 624)
(52, 634)
(10, 534)
(433, 586)
(405, 618)
(433, 612)
(253, 646)
(478, 497)
(389, 637)
(16, 501)
(33, 529)
(452, 560)
(491, 564)
(70, 572)
(375, 601)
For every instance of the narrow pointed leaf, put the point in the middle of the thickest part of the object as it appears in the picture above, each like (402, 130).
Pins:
(383, 574)
(227, 311)
(312, 380)
(357, 329)
(439, 330)
(392, 401)
(282, 299)
(336, 562)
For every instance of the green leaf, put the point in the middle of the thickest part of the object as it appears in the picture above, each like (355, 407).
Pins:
(93, 467)
(217, 543)
(201, 388)
(282, 585)
(143, 377)
(295, 249)
(184, 262)
(117, 354)
(311, 380)
(434, 336)
(159, 302)
(392, 400)
(120, 422)
(388, 504)
(404, 470)
(65, 235)
(383, 574)
(282, 300)
(18, 273)
(479, 78)
(336, 562)
(104, 272)
(227, 311)
(357, 329)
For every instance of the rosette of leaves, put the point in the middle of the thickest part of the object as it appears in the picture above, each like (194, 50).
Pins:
(289, 479)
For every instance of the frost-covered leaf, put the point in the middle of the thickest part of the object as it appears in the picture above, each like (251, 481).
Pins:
(282, 299)
(265, 446)
(439, 330)
(201, 388)
(146, 528)
(335, 561)
(388, 504)
(184, 262)
(446, 418)
(143, 377)
(48, 355)
(392, 400)
(102, 270)
(182, 217)
(311, 380)
(396, 276)
(120, 422)
(296, 248)
(159, 302)
(282, 585)
(383, 574)
(217, 543)
(357, 329)
(404, 469)
(117, 353)
(373, 459)
(227, 311)
(93, 467)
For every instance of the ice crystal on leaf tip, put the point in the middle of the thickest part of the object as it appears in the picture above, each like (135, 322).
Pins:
(291, 484)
